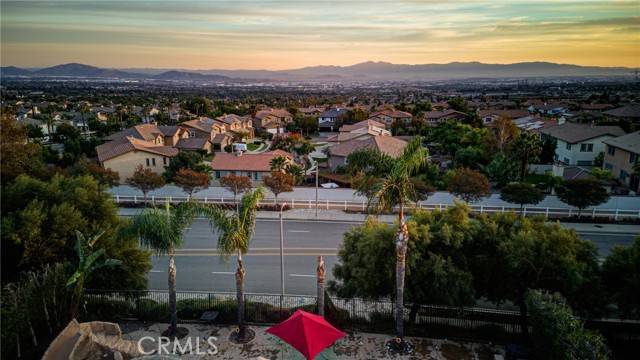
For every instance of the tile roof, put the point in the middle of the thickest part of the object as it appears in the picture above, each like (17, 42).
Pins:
(396, 114)
(280, 113)
(192, 143)
(333, 113)
(146, 132)
(512, 114)
(625, 111)
(246, 162)
(629, 142)
(364, 123)
(124, 145)
(386, 144)
(575, 133)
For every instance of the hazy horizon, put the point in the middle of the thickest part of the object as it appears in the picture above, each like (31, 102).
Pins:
(285, 35)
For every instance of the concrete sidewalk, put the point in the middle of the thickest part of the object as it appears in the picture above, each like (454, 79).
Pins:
(264, 346)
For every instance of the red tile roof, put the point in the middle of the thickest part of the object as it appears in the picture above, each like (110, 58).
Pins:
(247, 162)
(122, 146)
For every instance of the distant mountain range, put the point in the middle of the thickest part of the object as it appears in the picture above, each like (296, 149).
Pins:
(367, 71)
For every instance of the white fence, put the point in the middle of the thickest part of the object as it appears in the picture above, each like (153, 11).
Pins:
(361, 206)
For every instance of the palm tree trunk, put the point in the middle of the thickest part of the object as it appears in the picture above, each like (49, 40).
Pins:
(402, 239)
(173, 314)
(240, 295)
(320, 287)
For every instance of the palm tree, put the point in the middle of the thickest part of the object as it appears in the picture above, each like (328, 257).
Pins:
(296, 171)
(278, 163)
(393, 187)
(163, 231)
(527, 146)
(88, 263)
(235, 231)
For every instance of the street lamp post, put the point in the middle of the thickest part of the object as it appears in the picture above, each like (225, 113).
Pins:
(317, 169)
(281, 253)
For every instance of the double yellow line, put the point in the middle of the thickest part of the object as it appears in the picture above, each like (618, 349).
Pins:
(269, 251)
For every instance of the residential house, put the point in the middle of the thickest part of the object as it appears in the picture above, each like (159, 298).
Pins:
(152, 133)
(533, 122)
(386, 144)
(272, 120)
(146, 117)
(207, 128)
(360, 130)
(490, 116)
(389, 116)
(621, 155)
(254, 166)
(435, 117)
(328, 119)
(237, 125)
(628, 113)
(311, 111)
(549, 110)
(579, 144)
(102, 112)
(596, 108)
(124, 155)
(25, 120)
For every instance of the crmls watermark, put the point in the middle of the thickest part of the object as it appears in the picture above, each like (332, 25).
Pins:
(166, 347)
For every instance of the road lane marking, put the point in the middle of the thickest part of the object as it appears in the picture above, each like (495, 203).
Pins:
(262, 249)
(301, 275)
(261, 254)
(223, 272)
(156, 271)
(298, 231)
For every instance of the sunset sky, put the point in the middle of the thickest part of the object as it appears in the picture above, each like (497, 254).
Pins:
(277, 35)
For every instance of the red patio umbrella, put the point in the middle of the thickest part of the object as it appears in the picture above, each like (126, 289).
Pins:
(307, 333)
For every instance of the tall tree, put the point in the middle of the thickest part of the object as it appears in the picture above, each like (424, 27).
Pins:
(145, 180)
(582, 193)
(504, 131)
(163, 231)
(621, 274)
(521, 194)
(235, 232)
(470, 185)
(236, 184)
(395, 188)
(527, 146)
(296, 171)
(278, 183)
(191, 181)
(17, 155)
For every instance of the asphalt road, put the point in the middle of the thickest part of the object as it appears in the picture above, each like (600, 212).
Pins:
(200, 268)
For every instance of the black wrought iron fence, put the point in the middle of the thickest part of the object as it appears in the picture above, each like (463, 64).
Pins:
(471, 324)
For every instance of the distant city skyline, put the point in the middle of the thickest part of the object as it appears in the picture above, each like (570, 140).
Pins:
(281, 35)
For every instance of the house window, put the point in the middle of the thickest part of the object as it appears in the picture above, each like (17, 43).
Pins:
(584, 163)
(258, 176)
(192, 134)
(608, 166)
(623, 175)
(586, 147)
(633, 158)
(249, 175)
(611, 150)
(153, 161)
(567, 161)
(568, 146)
(164, 161)
(148, 162)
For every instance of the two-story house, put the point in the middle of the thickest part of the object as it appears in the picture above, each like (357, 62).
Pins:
(237, 125)
(272, 120)
(210, 129)
(579, 144)
(328, 119)
(621, 155)
(125, 154)
(389, 116)
(386, 144)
